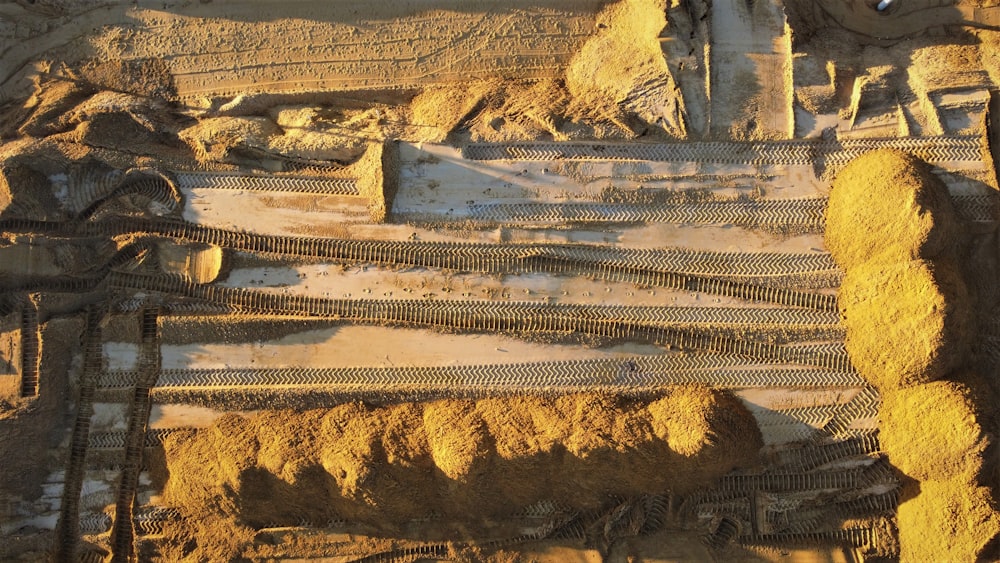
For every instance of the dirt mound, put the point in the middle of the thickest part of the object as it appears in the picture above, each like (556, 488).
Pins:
(907, 322)
(693, 421)
(463, 460)
(894, 197)
(932, 431)
(213, 139)
(200, 263)
(623, 66)
(146, 77)
(43, 111)
(378, 174)
(950, 520)
(441, 109)
(526, 111)
(25, 193)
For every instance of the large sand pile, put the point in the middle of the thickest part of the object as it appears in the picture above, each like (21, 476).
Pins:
(895, 198)
(891, 226)
(907, 322)
(939, 417)
(200, 263)
(617, 84)
(949, 520)
(465, 461)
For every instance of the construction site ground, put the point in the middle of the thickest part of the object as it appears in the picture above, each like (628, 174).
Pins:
(336, 281)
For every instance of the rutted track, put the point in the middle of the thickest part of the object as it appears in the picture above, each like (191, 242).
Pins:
(937, 150)
(598, 321)
(68, 529)
(30, 348)
(123, 530)
(636, 372)
(250, 182)
(804, 215)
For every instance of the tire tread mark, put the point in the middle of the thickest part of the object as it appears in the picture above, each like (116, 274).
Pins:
(479, 316)
(253, 182)
(30, 353)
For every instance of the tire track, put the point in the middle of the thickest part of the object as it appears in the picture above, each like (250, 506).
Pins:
(123, 530)
(31, 348)
(69, 526)
(937, 150)
(605, 322)
(251, 182)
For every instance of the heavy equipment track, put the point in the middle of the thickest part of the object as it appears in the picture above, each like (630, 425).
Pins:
(255, 182)
(799, 215)
(123, 530)
(68, 529)
(440, 550)
(791, 482)
(31, 347)
(811, 518)
(476, 257)
(810, 458)
(117, 440)
(154, 188)
(640, 267)
(864, 405)
(861, 538)
(605, 322)
(635, 372)
(937, 150)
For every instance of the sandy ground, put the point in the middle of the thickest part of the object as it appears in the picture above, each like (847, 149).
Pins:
(304, 92)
